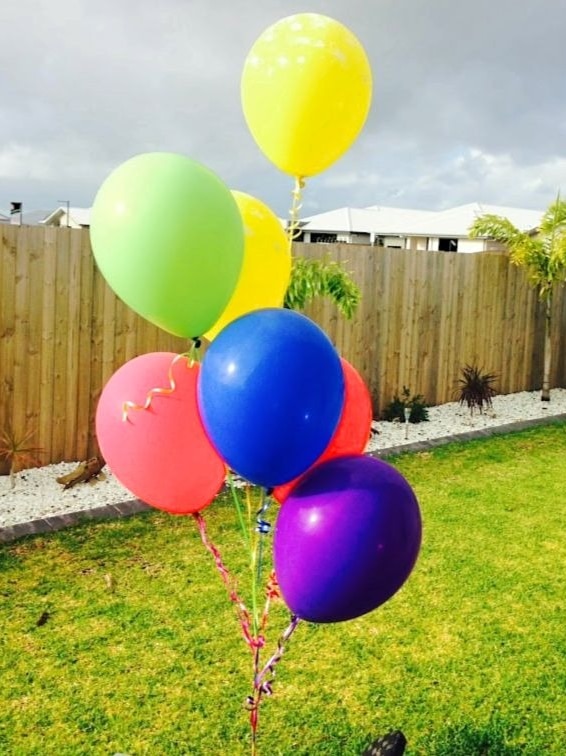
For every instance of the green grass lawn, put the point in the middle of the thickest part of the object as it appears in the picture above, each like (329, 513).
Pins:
(469, 658)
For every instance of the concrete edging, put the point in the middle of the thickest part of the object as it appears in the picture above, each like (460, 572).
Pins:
(496, 430)
(135, 506)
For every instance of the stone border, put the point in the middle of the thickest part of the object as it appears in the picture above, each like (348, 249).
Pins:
(494, 430)
(134, 506)
(58, 522)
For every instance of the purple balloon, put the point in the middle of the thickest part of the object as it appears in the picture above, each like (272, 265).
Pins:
(346, 539)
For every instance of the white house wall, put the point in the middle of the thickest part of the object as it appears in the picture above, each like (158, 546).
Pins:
(471, 245)
(422, 243)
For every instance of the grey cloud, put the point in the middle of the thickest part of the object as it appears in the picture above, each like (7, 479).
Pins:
(90, 84)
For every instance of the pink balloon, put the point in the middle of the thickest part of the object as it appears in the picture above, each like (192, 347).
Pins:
(353, 429)
(161, 454)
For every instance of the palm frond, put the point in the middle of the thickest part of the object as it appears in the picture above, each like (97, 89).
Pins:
(542, 255)
(554, 219)
(558, 254)
(524, 249)
(496, 227)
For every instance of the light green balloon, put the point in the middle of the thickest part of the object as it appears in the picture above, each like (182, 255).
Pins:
(168, 238)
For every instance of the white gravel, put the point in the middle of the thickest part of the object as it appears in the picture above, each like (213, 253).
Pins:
(453, 418)
(37, 493)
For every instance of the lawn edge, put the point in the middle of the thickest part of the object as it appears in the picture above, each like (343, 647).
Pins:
(13, 533)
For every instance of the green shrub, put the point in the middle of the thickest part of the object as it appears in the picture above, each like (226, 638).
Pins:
(395, 410)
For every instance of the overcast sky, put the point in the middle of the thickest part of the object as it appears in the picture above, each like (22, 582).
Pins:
(469, 99)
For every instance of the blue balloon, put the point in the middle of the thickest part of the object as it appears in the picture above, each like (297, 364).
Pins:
(270, 392)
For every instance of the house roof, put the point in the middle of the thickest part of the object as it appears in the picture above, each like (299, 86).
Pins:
(374, 219)
(30, 217)
(456, 221)
(79, 215)
(395, 221)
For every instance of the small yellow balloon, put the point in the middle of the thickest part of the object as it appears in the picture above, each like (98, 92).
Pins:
(266, 269)
(306, 92)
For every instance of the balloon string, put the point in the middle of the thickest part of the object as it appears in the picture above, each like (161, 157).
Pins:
(194, 351)
(262, 529)
(254, 642)
(191, 357)
(261, 686)
(271, 592)
(253, 558)
(238, 505)
(294, 227)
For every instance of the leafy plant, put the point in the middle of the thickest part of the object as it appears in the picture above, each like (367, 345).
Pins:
(321, 278)
(16, 451)
(395, 410)
(543, 257)
(476, 388)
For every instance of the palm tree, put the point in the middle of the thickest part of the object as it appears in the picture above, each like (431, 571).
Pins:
(321, 278)
(542, 255)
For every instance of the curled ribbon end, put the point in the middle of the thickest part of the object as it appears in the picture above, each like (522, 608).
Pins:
(125, 407)
(153, 392)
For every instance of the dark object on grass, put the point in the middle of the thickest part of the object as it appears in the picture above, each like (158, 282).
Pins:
(83, 473)
(476, 388)
(43, 619)
(395, 410)
(392, 744)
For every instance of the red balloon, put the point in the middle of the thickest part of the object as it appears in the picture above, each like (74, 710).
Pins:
(161, 454)
(352, 432)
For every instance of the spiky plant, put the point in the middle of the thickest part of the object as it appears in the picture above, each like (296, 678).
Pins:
(17, 451)
(542, 255)
(476, 388)
(322, 278)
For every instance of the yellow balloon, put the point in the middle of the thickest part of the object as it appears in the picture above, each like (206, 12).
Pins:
(266, 269)
(306, 92)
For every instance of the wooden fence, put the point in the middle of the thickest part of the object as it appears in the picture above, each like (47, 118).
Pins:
(62, 335)
(423, 315)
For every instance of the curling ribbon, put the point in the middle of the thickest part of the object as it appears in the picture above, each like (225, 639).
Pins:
(241, 610)
(271, 593)
(263, 526)
(260, 683)
(159, 391)
(265, 687)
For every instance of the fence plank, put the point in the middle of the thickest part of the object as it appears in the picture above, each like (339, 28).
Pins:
(46, 315)
(60, 344)
(73, 344)
(33, 363)
(21, 331)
